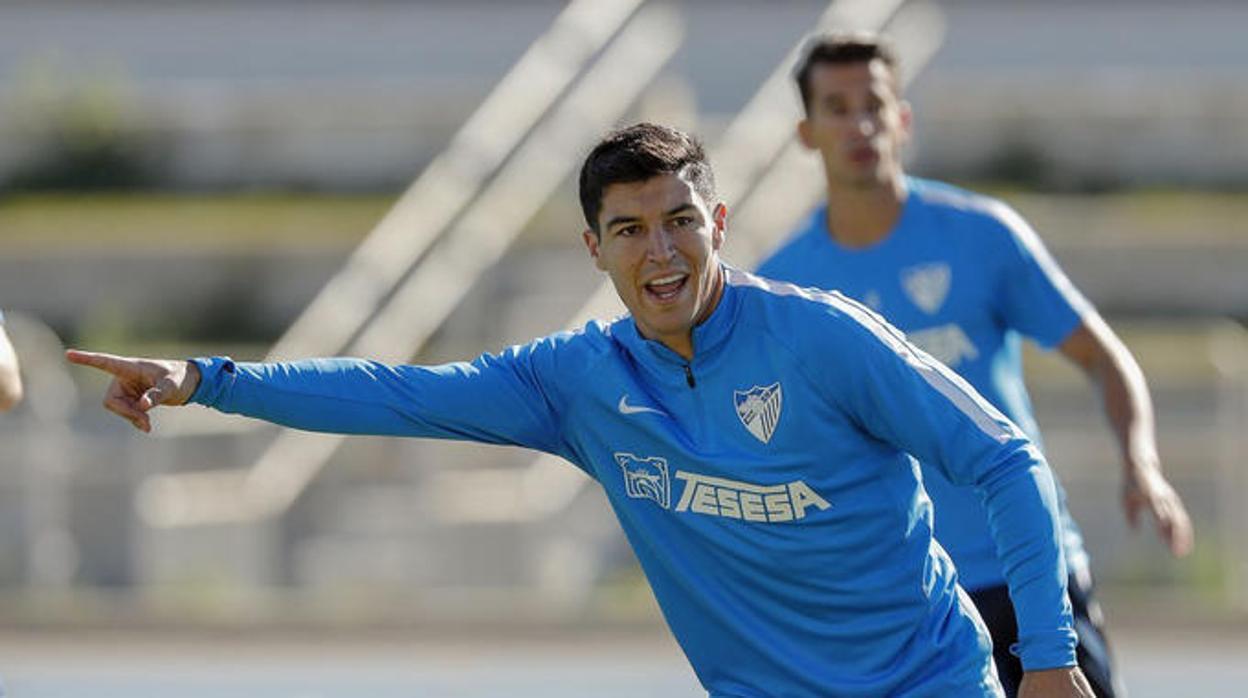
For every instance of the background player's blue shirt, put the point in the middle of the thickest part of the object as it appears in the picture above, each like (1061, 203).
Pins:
(772, 504)
(963, 276)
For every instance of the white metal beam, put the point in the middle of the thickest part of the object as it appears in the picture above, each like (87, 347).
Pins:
(425, 299)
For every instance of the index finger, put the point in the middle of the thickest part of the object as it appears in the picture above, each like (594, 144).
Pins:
(115, 365)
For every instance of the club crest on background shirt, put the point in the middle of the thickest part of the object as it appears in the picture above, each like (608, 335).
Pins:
(927, 285)
(646, 478)
(759, 409)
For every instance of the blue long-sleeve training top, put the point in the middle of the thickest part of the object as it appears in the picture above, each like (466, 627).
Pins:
(767, 485)
(964, 276)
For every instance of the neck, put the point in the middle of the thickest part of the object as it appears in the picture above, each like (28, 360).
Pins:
(683, 344)
(859, 216)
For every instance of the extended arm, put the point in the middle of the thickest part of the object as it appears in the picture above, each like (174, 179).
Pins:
(10, 376)
(1036, 298)
(494, 399)
(1107, 362)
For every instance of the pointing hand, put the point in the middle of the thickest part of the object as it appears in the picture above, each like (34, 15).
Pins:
(140, 384)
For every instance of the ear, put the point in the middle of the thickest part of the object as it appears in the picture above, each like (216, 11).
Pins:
(719, 219)
(592, 242)
(804, 133)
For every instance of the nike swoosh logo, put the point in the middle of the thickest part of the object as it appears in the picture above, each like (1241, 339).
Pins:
(626, 408)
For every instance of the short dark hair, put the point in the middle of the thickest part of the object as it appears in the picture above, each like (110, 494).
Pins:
(637, 153)
(841, 49)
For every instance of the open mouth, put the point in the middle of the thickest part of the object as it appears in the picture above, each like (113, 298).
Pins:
(863, 156)
(666, 288)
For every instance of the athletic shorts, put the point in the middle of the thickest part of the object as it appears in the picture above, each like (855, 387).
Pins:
(1093, 652)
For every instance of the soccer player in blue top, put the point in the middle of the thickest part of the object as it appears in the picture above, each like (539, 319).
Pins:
(757, 443)
(964, 276)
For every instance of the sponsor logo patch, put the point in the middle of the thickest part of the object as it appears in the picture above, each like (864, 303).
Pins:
(947, 344)
(717, 496)
(647, 478)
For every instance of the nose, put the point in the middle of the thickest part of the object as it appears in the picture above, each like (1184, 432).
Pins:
(865, 124)
(659, 246)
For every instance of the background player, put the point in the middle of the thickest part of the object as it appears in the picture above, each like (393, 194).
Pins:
(963, 275)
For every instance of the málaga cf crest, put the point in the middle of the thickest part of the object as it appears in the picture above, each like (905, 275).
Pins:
(927, 285)
(759, 409)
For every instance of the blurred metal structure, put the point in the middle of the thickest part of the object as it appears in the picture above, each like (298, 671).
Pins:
(393, 315)
(757, 150)
(454, 179)
(445, 189)
(394, 319)
(385, 305)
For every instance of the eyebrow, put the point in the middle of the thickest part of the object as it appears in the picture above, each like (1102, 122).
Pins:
(618, 220)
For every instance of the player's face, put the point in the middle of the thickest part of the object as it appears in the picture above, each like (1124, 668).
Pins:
(659, 242)
(857, 122)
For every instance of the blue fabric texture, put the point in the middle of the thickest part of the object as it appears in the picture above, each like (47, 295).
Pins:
(767, 485)
(964, 277)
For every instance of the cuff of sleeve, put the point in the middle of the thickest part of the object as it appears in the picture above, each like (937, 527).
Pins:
(1050, 650)
(216, 375)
